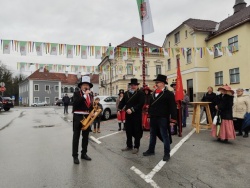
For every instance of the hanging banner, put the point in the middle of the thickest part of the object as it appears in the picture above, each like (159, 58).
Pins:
(69, 51)
(84, 52)
(6, 46)
(98, 54)
(39, 49)
(23, 47)
(53, 49)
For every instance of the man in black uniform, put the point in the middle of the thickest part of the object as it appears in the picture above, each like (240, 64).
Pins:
(162, 112)
(82, 106)
(132, 103)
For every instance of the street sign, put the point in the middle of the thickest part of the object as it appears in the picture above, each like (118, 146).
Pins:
(20, 99)
(2, 89)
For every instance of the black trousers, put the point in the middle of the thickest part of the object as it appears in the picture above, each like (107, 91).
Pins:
(66, 108)
(97, 121)
(238, 125)
(133, 129)
(76, 135)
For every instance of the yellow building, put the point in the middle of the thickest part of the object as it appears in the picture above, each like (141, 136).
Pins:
(116, 73)
(211, 53)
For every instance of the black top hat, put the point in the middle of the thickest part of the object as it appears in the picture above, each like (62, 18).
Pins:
(85, 80)
(161, 78)
(134, 81)
(173, 83)
(121, 91)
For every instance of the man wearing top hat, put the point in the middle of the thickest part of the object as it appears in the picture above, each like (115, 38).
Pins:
(132, 103)
(82, 106)
(162, 112)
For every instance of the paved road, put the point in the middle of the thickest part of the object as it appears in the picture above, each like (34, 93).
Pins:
(35, 151)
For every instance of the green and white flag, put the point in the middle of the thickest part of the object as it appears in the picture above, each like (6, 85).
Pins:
(98, 53)
(23, 47)
(39, 49)
(84, 52)
(6, 46)
(69, 51)
(53, 49)
(124, 53)
(145, 16)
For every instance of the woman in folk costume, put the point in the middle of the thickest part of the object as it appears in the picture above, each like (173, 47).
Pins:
(121, 115)
(224, 105)
(145, 122)
(240, 108)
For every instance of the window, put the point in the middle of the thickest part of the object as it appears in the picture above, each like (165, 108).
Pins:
(56, 88)
(47, 100)
(66, 90)
(234, 75)
(189, 55)
(233, 44)
(169, 64)
(177, 37)
(217, 48)
(158, 69)
(47, 88)
(129, 69)
(72, 90)
(36, 87)
(186, 34)
(219, 78)
(36, 99)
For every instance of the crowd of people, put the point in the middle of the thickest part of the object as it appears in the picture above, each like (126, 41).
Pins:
(156, 110)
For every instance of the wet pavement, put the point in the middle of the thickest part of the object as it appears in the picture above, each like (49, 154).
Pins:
(35, 151)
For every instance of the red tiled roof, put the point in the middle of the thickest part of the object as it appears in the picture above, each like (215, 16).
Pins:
(136, 43)
(71, 79)
(44, 75)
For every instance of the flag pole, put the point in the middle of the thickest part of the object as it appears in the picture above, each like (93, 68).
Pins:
(143, 49)
(179, 106)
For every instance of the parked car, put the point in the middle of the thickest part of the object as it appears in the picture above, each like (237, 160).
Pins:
(59, 102)
(1, 105)
(6, 103)
(39, 103)
(109, 106)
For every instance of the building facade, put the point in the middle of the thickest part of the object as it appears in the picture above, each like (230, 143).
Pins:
(43, 85)
(116, 73)
(211, 53)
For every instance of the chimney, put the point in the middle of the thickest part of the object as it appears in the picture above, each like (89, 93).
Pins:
(66, 73)
(239, 5)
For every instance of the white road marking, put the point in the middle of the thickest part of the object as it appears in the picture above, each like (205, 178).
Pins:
(109, 135)
(95, 140)
(148, 178)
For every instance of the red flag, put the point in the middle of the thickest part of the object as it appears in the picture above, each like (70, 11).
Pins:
(179, 95)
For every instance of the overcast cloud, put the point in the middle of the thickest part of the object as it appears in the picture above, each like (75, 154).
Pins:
(96, 22)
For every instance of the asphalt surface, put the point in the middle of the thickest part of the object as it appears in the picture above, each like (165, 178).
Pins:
(35, 151)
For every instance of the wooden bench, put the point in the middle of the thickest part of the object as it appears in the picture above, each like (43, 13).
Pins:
(196, 116)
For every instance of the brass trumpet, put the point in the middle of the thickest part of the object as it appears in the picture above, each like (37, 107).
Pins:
(86, 122)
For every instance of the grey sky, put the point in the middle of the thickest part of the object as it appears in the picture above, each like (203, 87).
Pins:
(96, 22)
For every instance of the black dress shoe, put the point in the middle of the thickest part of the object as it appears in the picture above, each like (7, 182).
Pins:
(148, 153)
(86, 157)
(166, 157)
(76, 160)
